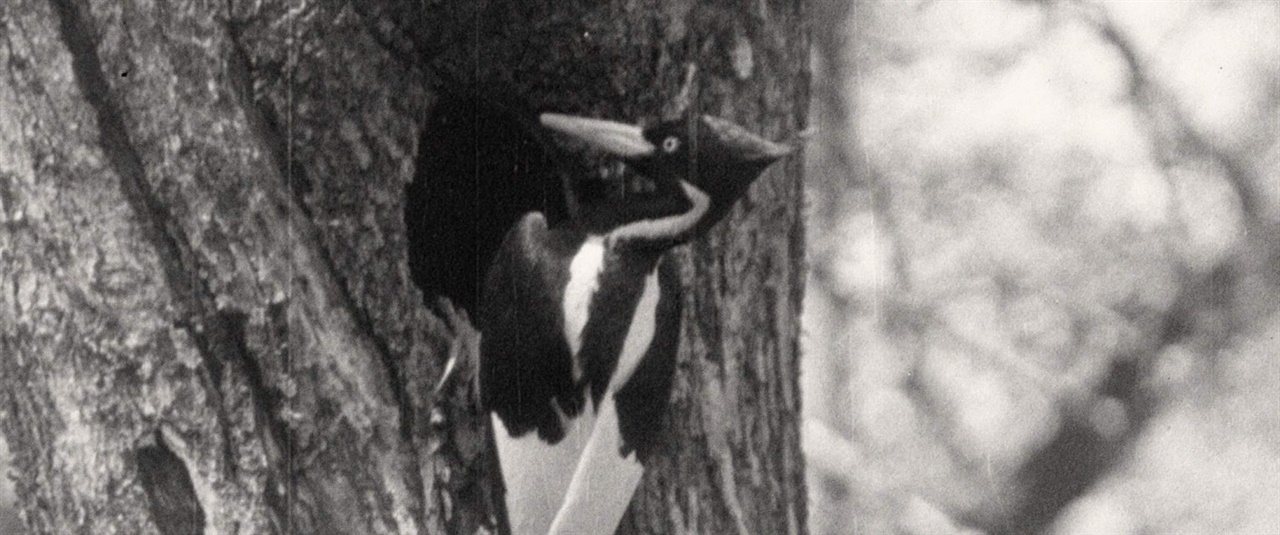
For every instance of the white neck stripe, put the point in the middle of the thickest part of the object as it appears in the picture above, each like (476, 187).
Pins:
(667, 227)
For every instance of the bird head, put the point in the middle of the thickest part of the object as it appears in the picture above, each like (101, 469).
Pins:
(707, 160)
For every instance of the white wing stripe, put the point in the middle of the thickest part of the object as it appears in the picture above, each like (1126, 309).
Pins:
(584, 280)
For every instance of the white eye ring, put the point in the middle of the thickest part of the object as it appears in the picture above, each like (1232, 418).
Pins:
(670, 144)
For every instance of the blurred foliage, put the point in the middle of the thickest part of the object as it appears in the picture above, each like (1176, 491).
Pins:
(1044, 250)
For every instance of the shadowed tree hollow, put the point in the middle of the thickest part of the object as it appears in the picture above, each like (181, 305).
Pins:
(209, 319)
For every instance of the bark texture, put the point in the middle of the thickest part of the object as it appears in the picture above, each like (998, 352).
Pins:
(208, 324)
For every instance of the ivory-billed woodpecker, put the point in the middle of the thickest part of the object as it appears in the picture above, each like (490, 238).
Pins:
(580, 323)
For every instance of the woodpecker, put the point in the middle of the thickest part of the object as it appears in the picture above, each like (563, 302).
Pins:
(580, 323)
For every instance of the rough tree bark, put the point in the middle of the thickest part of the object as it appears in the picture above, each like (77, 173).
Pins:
(207, 322)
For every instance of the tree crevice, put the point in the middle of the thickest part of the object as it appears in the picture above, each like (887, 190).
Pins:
(219, 336)
(197, 310)
(167, 482)
(264, 121)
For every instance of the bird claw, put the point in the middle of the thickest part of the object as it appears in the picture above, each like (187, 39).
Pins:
(464, 344)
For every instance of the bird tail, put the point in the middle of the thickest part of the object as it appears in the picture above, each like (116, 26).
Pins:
(603, 483)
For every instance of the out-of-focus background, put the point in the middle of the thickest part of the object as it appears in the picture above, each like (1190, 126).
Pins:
(1045, 250)
(1043, 241)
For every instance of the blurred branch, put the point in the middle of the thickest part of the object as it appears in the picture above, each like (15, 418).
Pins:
(1156, 103)
(1177, 139)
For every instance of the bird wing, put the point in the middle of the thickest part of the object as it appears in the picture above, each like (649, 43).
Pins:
(629, 414)
(578, 472)
(526, 372)
(526, 368)
(642, 402)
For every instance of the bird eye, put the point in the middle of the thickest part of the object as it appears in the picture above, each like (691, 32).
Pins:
(671, 144)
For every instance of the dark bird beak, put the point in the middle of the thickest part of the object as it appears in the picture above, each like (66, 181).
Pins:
(619, 139)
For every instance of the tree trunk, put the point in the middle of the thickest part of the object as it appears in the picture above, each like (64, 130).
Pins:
(208, 324)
